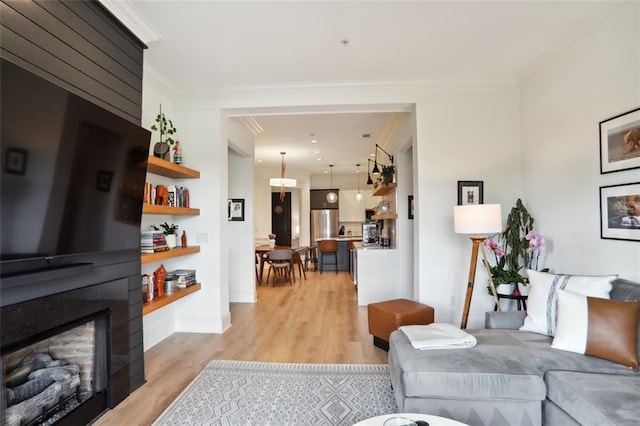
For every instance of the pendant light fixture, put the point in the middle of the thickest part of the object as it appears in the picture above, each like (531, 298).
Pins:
(359, 195)
(369, 180)
(332, 197)
(282, 182)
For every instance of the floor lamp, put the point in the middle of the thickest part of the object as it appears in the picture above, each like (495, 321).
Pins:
(477, 219)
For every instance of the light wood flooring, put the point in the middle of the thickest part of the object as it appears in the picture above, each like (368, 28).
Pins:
(313, 321)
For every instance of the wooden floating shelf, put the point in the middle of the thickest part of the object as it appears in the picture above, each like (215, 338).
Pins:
(383, 189)
(382, 216)
(158, 209)
(158, 166)
(164, 255)
(166, 299)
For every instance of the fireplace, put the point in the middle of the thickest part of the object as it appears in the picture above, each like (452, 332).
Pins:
(69, 351)
(62, 374)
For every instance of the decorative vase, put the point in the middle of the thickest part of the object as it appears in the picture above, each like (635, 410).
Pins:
(172, 240)
(161, 150)
(524, 289)
(506, 288)
(272, 243)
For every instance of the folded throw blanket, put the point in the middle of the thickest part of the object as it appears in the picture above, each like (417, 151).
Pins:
(439, 335)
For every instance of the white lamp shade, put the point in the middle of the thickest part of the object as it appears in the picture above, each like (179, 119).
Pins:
(279, 182)
(477, 218)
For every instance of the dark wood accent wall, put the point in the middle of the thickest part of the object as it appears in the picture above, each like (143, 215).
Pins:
(82, 47)
(78, 45)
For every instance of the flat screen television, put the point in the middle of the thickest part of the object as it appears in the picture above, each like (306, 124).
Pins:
(73, 174)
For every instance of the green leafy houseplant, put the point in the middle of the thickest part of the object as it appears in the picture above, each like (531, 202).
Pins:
(168, 229)
(165, 127)
(387, 174)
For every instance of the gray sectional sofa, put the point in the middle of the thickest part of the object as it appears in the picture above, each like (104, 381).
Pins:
(514, 377)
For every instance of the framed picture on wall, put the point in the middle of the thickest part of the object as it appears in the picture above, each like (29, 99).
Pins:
(236, 209)
(410, 206)
(620, 142)
(470, 192)
(620, 212)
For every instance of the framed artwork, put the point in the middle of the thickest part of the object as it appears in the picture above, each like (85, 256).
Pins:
(15, 161)
(410, 206)
(620, 142)
(620, 212)
(470, 192)
(103, 180)
(236, 209)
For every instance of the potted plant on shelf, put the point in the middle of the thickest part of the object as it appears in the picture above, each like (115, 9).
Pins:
(170, 233)
(387, 174)
(165, 126)
(515, 250)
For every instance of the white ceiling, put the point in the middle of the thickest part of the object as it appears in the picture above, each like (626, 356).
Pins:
(207, 45)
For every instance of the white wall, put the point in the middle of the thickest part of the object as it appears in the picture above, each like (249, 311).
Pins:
(561, 107)
(466, 131)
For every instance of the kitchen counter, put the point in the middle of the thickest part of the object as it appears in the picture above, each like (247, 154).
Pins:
(376, 273)
(343, 255)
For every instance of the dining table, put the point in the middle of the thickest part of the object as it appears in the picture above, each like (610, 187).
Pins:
(263, 249)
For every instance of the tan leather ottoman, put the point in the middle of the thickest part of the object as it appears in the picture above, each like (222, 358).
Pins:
(385, 317)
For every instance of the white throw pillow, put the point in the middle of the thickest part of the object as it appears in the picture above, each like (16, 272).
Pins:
(543, 295)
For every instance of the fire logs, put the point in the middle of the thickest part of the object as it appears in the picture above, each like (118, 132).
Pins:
(36, 385)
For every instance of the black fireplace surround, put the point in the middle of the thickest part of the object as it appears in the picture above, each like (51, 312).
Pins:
(30, 309)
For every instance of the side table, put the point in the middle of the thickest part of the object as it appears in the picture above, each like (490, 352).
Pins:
(521, 301)
(429, 418)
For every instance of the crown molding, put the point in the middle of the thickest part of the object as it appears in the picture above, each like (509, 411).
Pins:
(251, 124)
(132, 19)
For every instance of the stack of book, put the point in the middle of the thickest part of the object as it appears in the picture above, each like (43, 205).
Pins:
(186, 277)
(178, 196)
(152, 242)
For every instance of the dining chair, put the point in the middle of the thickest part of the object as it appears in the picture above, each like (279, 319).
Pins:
(280, 261)
(328, 247)
(297, 260)
(311, 256)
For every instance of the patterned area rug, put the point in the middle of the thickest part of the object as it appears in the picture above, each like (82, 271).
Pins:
(263, 393)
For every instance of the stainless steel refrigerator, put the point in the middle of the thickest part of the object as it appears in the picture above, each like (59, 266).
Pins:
(324, 224)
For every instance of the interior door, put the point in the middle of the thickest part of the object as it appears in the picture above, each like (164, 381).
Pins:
(281, 218)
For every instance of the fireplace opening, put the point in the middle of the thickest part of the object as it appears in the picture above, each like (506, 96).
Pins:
(60, 376)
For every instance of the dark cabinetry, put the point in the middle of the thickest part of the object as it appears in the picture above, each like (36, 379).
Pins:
(318, 199)
(343, 255)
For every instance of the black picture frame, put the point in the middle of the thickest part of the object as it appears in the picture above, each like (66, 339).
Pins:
(236, 210)
(410, 209)
(620, 142)
(103, 180)
(620, 212)
(470, 192)
(15, 161)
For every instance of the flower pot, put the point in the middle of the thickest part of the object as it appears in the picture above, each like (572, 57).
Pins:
(272, 243)
(161, 150)
(506, 288)
(524, 289)
(172, 240)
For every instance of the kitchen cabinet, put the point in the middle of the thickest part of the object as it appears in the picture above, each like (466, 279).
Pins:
(376, 274)
(351, 209)
(318, 199)
(343, 257)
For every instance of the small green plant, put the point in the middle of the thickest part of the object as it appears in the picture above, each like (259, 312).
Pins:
(168, 229)
(165, 126)
(387, 174)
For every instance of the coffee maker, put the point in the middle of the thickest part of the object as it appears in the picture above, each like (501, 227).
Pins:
(370, 234)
